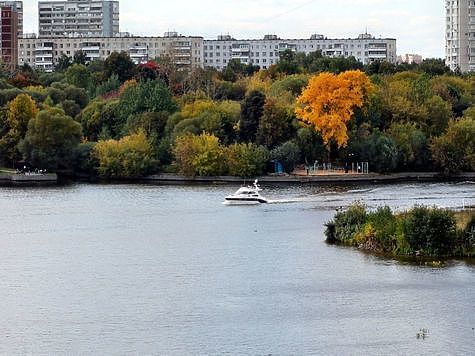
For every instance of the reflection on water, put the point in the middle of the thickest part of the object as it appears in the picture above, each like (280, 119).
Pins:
(117, 269)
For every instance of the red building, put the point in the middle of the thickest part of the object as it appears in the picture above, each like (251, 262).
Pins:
(9, 36)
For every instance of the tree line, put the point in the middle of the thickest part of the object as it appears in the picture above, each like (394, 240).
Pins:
(114, 118)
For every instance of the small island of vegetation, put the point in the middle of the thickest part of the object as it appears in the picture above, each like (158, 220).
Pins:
(419, 232)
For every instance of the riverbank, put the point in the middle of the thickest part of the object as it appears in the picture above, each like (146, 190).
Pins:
(25, 179)
(302, 179)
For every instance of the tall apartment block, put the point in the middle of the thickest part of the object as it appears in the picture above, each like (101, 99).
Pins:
(78, 18)
(460, 35)
(44, 53)
(265, 52)
(9, 21)
(17, 6)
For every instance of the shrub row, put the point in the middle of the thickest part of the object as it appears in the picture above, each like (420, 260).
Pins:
(421, 231)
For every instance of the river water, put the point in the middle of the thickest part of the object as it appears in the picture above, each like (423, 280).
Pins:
(169, 270)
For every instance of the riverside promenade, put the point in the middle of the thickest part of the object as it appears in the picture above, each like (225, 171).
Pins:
(32, 178)
(303, 178)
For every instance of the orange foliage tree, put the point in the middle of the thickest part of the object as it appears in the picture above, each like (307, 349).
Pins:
(329, 101)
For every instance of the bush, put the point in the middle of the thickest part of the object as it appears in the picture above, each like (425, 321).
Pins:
(455, 150)
(199, 155)
(7, 95)
(288, 154)
(246, 160)
(71, 108)
(430, 231)
(421, 231)
(128, 157)
(465, 246)
(84, 161)
(385, 226)
(347, 224)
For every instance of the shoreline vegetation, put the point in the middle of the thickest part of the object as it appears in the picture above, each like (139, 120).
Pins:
(418, 233)
(114, 119)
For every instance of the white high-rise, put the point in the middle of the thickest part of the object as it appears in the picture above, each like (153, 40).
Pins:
(460, 35)
(78, 18)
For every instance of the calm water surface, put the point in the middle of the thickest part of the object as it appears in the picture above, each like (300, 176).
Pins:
(126, 269)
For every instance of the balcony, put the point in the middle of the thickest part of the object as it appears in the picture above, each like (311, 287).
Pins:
(90, 48)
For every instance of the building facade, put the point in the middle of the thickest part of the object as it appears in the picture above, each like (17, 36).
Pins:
(17, 6)
(410, 58)
(460, 35)
(78, 18)
(266, 52)
(9, 20)
(44, 53)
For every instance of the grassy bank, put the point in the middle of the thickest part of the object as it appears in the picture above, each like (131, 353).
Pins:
(419, 232)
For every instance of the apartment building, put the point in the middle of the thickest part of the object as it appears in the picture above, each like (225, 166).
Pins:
(44, 53)
(9, 20)
(78, 18)
(266, 52)
(410, 58)
(17, 7)
(460, 35)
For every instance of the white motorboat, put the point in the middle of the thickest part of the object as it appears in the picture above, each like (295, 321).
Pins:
(246, 196)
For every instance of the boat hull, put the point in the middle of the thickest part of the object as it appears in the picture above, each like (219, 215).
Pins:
(244, 201)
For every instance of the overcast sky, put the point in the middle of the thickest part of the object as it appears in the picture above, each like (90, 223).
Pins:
(418, 25)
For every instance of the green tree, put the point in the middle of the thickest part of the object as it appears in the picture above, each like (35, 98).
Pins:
(379, 151)
(71, 108)
(146, 96)
(275, 125)
(64, 62)
(110, 85)
(288, 154)
(287, 63)
(454, 151)
(251, 112)
(434, 66)
(235, 69)
(121, 65)
(78, 75)
(311, 145)
(152, 123)
(84, 160)
(246, 160)
(80, 57)
(100, 118)
(440, 113)
(51, 140)
(412, 145)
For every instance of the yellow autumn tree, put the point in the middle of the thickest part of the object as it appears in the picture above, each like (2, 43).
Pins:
(20, 111)
(329, 101)
(131, 156)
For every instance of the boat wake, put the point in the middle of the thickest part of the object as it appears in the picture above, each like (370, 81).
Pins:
(294, 200)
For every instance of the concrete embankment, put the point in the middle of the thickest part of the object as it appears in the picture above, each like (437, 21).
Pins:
(328, 179)
(12, 178)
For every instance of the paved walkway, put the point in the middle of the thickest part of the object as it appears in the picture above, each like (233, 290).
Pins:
(316, 178)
